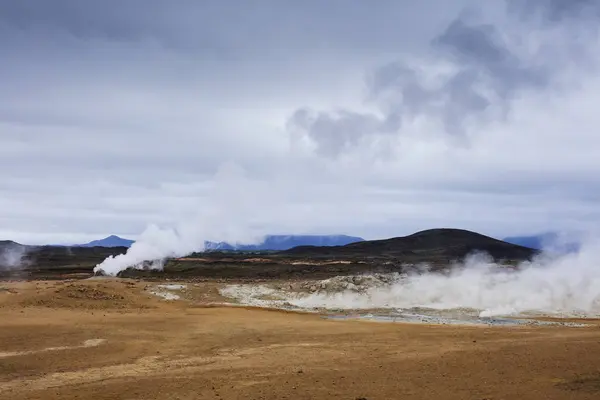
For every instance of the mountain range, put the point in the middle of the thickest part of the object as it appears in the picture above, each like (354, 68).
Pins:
(438, 248)
(271, 242)
(285, 242)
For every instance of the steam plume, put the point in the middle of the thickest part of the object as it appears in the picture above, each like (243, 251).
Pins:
(563, 285)
(226, 217)
(568, 284)
(12, 257)
(157, 244)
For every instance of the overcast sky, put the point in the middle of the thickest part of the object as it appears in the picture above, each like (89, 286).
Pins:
(368, 118)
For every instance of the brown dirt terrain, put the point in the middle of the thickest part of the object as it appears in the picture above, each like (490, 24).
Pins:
(112, 339)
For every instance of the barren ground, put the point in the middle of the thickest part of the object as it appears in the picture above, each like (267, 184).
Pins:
(111, 339)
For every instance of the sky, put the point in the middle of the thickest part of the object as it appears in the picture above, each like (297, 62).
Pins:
(321, 117)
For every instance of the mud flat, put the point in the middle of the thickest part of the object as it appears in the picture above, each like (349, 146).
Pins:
(438, 320)
(115, 339)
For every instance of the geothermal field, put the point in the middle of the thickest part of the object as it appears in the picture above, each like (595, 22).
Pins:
(442, 314)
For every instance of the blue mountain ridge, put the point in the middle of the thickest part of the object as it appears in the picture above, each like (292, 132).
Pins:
(542, 241)
(271, 242)
(110, 241)
(545, 241)
(286, 242)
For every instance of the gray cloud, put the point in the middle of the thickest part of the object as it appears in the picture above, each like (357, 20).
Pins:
(117, 114)
(335, 132)
(227, 30)
(487, 76)
(480, 49)
(486, 65)
(553, 11)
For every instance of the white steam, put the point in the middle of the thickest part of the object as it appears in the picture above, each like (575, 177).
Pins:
(228, 218)
(157, 244)
(567, 285)
(13, 257)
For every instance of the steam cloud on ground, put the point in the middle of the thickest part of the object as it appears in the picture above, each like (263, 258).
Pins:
(227, 217)
(157, 244)
(566, 285)
(12, 257)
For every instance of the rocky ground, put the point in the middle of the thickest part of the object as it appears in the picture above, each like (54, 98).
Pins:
(124, 338)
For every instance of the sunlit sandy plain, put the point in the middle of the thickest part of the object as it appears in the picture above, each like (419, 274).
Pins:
(119, 338)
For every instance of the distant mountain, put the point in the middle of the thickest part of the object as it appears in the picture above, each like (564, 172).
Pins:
(271, 242)
(111, 241)
(285, 242)
(9, 244)
(547, 241)
(432, 244)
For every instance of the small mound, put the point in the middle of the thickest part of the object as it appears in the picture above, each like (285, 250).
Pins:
(90, 295)
(87, 293)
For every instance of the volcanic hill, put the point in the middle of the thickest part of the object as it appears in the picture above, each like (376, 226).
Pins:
(427, 245)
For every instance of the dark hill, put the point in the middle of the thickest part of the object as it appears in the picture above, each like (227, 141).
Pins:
(429, 245)
(41, 262)
(9, 243)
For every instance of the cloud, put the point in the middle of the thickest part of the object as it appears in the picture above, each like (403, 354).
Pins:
(344, 118)
(12, 256)
(480, 77)
(553, 11)
(333, 132)
(480, 48)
